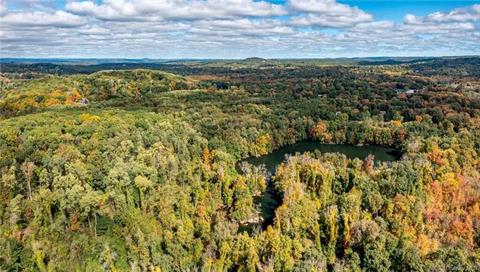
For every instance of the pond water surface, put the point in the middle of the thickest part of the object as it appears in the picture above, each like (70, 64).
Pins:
(272, 160)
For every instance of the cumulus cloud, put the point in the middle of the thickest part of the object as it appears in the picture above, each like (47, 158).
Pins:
(320, 6)
(439, 28)
(240, 27)
(40, 18)
(377, 26)
(461, 19)
(3, 7)
(127, 10)
(337, 21)
(327, 13)
(94, 30)
(43, 5)
(468, 14)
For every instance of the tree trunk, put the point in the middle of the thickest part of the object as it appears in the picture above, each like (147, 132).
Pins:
(95, 223)
(29, 189)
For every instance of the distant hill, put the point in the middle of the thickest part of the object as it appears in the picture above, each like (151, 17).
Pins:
(255, 59)
(393, 61)
(78, 90)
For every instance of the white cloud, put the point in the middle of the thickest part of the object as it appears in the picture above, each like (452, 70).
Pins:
(461, 19)
(240, 27)
(3, 7)
(468, 14)
(320, 6)
(377, 26)
(327, 13)
(110, 10)
(42, 5)
(337, 21)
(129, 10)
(94, 30)
(439, 28)
(40, 18)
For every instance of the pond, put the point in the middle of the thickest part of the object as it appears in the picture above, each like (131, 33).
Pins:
(272, 160)
(269, 201)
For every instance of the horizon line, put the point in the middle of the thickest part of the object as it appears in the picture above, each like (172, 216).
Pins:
(246, 58)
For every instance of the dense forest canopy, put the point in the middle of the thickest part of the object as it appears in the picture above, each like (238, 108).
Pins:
(133, 166)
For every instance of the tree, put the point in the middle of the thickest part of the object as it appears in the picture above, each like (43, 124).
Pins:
(27, 169)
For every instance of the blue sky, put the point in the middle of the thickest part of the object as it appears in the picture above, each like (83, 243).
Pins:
(237, 28)
(396, 10)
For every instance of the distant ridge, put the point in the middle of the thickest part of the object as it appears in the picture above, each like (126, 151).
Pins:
(393, 61)
(255, 59)
(358, 60)
(185, 66)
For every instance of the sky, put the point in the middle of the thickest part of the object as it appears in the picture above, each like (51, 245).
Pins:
(231, 29)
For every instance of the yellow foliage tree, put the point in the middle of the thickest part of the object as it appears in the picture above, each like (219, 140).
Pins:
(263, 144)
(89, 118)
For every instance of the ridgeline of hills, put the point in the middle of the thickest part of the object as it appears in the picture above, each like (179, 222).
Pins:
(187, 66)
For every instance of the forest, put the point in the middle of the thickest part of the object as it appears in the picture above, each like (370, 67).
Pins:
(134, 166)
